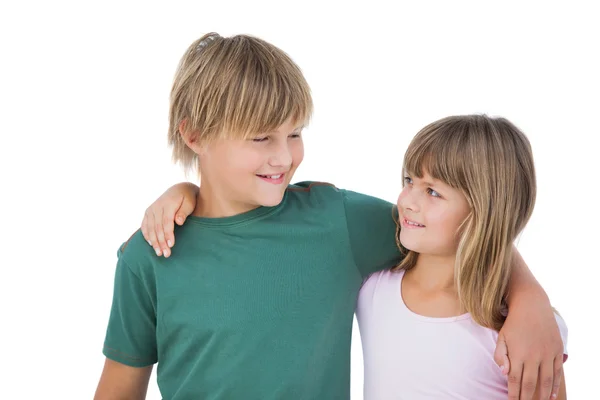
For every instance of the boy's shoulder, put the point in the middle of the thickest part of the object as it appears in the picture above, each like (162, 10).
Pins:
(314, 193)
(135, 250)
(320, 192)
(312, 186)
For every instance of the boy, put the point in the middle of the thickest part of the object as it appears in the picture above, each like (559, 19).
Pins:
(259, 301)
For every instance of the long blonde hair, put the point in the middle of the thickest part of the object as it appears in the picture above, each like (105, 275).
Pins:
(490, 161)
(233, 87)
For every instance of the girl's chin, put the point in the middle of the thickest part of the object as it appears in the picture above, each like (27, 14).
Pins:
(411, 245)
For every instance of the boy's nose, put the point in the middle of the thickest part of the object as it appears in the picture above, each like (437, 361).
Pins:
(282, 157)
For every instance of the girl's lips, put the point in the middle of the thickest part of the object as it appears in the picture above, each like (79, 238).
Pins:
(406, 223)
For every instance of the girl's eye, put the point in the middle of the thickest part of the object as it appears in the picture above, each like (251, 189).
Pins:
(295, 135)
(407, 180)
(260, 139)
(433, 192)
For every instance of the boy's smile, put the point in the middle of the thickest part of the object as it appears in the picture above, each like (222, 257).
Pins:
(273, 179)
(239, 175)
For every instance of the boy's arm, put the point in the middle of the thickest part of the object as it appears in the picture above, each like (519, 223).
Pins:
(560, 395)
(122, 382)
(530, 337)
(130, 343)
(371, 226)
(175, 204)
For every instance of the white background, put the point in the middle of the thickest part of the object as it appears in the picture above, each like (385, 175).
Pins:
(84, 98)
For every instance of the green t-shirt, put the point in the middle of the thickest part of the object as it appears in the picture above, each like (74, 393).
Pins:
(255, 306)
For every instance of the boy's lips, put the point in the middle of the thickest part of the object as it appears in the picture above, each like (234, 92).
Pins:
(275, 179)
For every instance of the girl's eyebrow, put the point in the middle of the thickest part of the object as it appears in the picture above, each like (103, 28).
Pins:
(426, 183)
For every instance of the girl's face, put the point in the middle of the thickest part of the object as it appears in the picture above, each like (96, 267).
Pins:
(431, 213)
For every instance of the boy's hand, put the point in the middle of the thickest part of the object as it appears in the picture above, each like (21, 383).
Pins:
(175, 204)
(531, 339)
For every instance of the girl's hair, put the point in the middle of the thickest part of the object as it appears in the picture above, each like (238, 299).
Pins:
(490, 161)
(233, 87)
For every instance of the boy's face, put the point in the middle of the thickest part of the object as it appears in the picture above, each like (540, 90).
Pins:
(245, 174)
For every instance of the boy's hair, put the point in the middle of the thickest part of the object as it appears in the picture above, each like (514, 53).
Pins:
(490, 161)
(233, 87)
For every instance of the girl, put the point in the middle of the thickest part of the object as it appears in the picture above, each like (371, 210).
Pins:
(429, 326)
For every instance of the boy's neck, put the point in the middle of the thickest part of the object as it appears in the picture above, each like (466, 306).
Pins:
(211, 205)
(433, 272)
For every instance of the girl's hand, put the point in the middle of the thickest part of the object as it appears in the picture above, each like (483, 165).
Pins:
(175, 204)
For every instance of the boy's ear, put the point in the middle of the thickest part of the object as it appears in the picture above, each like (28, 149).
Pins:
(190, 137)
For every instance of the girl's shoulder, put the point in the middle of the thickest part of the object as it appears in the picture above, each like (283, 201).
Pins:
(380, 278)
(380, 284)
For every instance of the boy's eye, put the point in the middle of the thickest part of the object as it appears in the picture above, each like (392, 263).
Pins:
(295, 135)
(433, 192)
(407, 180)
(260, 139)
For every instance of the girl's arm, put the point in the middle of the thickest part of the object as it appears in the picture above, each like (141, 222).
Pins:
(175, 204)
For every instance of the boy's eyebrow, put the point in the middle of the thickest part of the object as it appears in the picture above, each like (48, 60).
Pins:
(295, 129)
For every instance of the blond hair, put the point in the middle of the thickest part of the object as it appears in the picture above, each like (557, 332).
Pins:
(490, 161)
(233, 87)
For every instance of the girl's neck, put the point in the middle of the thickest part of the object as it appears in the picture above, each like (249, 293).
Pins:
(428, 288)
(433, 272)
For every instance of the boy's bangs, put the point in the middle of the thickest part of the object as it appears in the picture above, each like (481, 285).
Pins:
(261, 102)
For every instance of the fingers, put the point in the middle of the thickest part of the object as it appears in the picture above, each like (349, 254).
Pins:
(168, 228)
(145, 231)
(529, 381)
(501, 355)
(166, 232)
(505, 367)
(514, 381)
(149, 231)
(158, 226)
(557, 375)
(161, 243)
(187, 206)
(178, 213)
(546, 379)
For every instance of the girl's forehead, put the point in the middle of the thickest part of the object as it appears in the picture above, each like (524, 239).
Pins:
(425, 178)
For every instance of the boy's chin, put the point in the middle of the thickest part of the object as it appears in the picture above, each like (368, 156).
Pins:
(271, 201)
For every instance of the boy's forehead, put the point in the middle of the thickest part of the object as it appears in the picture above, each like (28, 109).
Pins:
(288, 127)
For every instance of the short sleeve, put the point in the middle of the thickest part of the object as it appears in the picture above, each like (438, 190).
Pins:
(564, 334)
(131, 333)
(372, 232)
